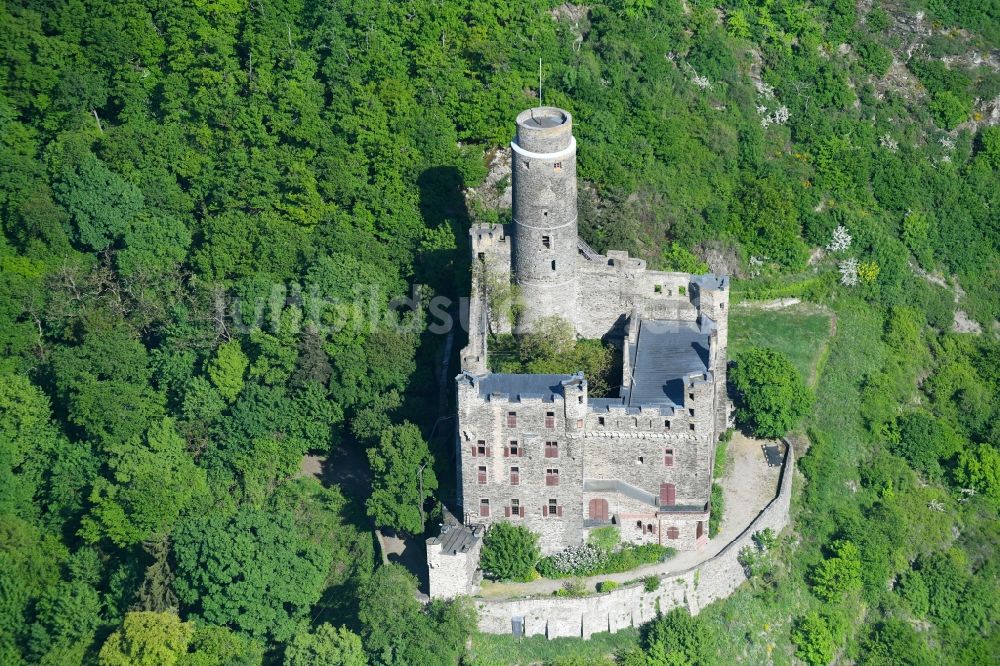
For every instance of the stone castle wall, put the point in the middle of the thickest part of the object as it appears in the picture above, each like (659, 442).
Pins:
(632, 606)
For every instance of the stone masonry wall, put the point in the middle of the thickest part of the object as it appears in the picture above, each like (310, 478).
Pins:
(693, 588)
(486, 421)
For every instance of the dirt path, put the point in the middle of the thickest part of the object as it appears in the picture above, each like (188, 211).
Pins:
(748, 485)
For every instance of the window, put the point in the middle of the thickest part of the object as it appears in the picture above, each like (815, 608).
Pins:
(553, 264)
(513, 449)
(690, 396)
(550, 419)
(484, 508)
(579, 399)
(691, 426)
(666, 424)
(547, 242)
(480, 449)
(482, 256)
(722, 306)
(579, 423)
(638, 525)
(673, 533)
(511, 419)
(551, 449)
(701, 529)
(641, 460)
(650, 529)
(515, 476)
(557, 166)
(600, 420)
(657, 288)
(691, 412)
(481, 474)
(552, 509)
(552, 477)
(668, 458)
(515, 509)
(668, 494)
(526, 164)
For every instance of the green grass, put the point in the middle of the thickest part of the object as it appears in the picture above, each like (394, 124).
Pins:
(489, 650)
(799, 331)
(753, 625)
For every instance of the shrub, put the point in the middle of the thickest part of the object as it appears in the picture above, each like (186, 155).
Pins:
(607, 586)
(950, 109)
(838, 575)
(765, 539)
(589, 560)
(572, 588)
(813, 639)
(605, 538)
(771, 396)
(717, 504)
(509, 552)
(651, 583)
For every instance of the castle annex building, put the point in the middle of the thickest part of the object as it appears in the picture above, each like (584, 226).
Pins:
(537, 449)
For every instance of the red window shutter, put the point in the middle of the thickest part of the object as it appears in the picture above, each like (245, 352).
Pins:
(559, 511)
(522, 511)
(668, 458)
(515, 478)
(506, 512)
(489, 451)
(506, 452)
(474, 451)
(521, 452)
(545, 510)
(484, 510)
(668, 494)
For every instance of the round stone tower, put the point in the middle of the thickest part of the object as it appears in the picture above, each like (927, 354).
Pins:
(544, 200)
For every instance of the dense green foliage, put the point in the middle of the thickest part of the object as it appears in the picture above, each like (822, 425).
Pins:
(770, 394)
(203, 204)
(551, 348)
(403, 479)
(509, 552)
(590, 560)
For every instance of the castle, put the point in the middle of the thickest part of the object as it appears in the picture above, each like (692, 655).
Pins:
(537, 449)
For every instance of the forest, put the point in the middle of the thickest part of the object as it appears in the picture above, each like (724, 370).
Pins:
(222, 221)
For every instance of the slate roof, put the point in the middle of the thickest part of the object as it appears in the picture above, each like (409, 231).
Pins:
(522, 386)
(664, 353)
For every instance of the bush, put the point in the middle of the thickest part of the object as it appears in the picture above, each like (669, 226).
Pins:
(509, 552)
(716, 505)
(813, 639)
(651, 583)
(838, 575)
(605, 538)
(572, 588)
(607, 586)
(771, 396)
(765, 539)
(950, 109)
(589, 560)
